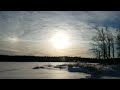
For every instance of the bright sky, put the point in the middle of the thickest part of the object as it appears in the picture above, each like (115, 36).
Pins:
(57, 33)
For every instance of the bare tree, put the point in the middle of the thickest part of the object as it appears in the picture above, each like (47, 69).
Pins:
(103, 43)
(99, 40)
(118, 43)
(113, 45)
(110, 41)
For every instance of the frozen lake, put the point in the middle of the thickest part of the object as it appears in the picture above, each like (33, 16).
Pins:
(53, 70)
(23, 70)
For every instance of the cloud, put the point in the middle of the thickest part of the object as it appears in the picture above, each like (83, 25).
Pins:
(7, 52)
(39, 26)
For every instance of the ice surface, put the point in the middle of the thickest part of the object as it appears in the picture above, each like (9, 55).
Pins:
(23, 70)
(53, 70)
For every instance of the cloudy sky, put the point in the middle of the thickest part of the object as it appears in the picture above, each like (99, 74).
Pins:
(54, 33)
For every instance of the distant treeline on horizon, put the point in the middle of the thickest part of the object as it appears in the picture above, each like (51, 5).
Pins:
(7, 58)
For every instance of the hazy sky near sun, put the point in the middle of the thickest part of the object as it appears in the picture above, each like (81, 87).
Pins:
(30, 32)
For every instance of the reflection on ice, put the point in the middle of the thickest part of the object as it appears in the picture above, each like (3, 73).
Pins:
(45, 70)
(57, 70)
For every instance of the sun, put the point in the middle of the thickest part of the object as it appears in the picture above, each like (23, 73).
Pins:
(60, 40)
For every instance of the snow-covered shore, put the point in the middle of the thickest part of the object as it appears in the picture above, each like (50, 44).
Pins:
(96, 71)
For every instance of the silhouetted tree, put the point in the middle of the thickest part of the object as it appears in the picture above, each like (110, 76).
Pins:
(103, 43)
(118, 43)
(98, 43)
(110, 41)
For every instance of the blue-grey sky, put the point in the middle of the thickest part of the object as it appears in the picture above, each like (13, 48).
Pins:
(30, 32)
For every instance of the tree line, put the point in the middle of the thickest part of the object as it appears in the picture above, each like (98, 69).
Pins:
(6, 58)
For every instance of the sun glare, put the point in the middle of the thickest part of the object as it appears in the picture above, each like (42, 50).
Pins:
(13, 39)
(60, 40)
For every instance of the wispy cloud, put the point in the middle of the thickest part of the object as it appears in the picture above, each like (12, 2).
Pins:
(39, 26)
